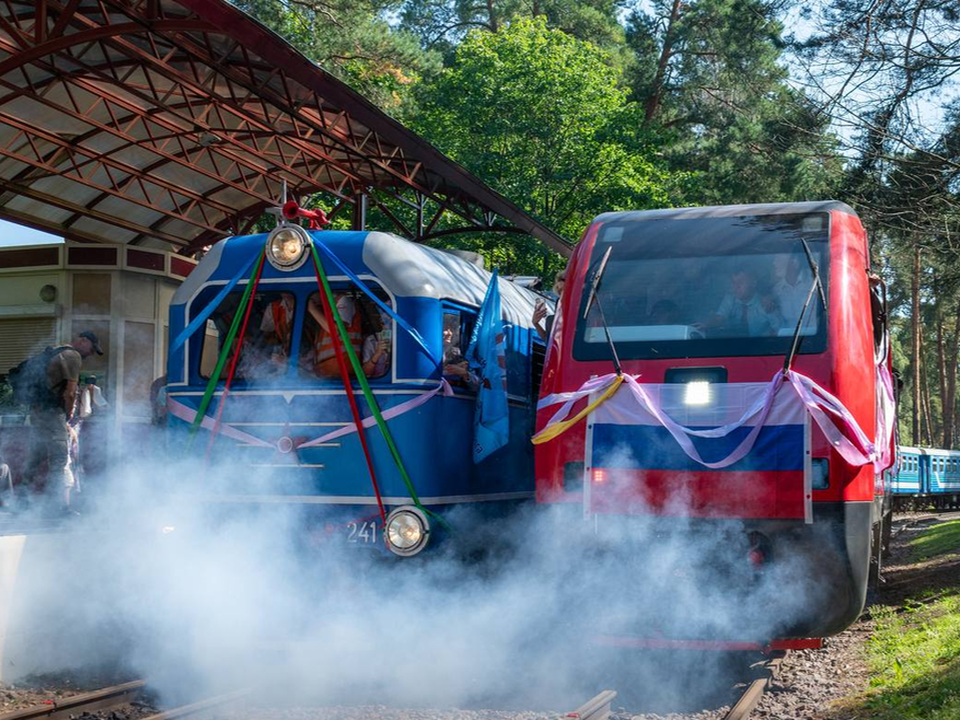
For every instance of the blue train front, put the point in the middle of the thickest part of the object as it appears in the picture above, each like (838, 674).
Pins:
(287, 422)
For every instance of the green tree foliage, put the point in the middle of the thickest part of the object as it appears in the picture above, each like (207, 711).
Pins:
(353, 40)
(443, 24)
(542, 117)
(710, 72)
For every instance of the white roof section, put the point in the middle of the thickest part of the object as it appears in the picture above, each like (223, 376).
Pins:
(411, 270)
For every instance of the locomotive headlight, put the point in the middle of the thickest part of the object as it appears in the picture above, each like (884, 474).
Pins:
(407, 531)
(697, 393)
(287, 247)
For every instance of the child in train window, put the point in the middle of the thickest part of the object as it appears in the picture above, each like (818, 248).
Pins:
(277, 326)
(455, 366)
(324, 359)
(377, 341)
(266, 344)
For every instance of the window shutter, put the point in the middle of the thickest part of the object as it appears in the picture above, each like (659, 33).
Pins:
(22, 337)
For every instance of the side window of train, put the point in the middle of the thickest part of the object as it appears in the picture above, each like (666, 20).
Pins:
(878, 312)
(457, 329)
(265, 352)
(369, 328)
(518, 361)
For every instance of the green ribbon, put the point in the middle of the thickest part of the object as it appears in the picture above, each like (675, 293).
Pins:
(365, 388)
(225, 351)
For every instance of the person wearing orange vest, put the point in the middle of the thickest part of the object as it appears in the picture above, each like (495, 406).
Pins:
(325, 359)
(277, 325)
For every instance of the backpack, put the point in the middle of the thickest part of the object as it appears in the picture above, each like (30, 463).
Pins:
(28, 380)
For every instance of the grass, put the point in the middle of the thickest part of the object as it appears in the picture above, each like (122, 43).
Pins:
(914, 658)
(914, 652)
(940, 539)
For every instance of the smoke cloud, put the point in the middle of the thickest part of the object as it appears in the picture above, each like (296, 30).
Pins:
(203, 598)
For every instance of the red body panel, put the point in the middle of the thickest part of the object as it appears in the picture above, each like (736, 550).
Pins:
(846, 369)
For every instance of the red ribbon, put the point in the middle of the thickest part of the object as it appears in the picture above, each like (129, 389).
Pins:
(348, 386)
(233, 362)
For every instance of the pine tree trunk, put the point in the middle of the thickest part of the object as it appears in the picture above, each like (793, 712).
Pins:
(928, 425)
(915, 350)
(941, 367)
(652, 105)
(492, 17)
(950, 397)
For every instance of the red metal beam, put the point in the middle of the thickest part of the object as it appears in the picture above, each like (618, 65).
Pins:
(55, 201)
(210, 87)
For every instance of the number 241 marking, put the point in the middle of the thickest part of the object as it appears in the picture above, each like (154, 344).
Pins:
(362, 532)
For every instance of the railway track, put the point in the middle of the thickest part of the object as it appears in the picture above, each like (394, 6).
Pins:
(750, 698)
(597, 708)
(114, 697)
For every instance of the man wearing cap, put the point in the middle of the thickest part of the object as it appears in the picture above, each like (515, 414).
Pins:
(49, 421)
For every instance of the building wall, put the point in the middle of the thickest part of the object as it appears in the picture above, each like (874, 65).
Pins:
(123, 294)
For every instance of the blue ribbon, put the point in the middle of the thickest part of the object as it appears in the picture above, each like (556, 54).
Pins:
(411, 331)
(212, 305)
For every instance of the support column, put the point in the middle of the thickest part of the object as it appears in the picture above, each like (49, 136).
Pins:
(360, 212)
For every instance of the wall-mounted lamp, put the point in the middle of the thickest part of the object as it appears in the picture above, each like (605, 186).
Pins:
(48, 293)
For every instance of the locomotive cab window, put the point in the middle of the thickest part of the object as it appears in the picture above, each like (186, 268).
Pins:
(752, 281)
(266, 349)
(457, 329)
(369, 329)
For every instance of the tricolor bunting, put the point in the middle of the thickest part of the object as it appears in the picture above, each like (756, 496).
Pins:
(718, 450)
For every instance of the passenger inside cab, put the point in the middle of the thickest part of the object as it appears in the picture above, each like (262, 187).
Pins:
(367, 328)
(324, 356)
(456, 369)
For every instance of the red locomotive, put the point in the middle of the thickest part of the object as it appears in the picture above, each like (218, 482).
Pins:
(727, 367)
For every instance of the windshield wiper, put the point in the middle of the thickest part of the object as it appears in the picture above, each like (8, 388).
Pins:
(594, 296)
(817, 284)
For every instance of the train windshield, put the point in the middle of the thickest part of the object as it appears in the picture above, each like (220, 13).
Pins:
(706, 287)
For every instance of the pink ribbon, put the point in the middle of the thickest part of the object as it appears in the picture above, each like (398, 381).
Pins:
(834, 420)
(389, 414)
(823, 408)
(681, 434)
(178, 409)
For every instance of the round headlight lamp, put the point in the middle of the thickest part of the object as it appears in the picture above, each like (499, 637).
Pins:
(287, 247)
(407, 531)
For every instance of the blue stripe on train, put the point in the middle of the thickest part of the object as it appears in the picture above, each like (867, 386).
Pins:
(645, 447)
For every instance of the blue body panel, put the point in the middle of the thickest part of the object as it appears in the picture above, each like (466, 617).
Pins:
(434, 440)
(908, 479)
(942, 472)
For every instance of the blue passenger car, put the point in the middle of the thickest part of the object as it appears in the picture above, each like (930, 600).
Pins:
(285, 409)
(927, 477)
(909, 472)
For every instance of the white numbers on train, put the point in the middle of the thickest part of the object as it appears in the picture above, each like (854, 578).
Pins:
(363, 533)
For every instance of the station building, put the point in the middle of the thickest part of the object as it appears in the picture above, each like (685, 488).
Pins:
(50, 293)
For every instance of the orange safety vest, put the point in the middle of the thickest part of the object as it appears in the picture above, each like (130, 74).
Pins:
(326, 357)
(280, 324)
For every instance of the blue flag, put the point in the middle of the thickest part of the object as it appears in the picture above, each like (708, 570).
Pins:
(487, 358)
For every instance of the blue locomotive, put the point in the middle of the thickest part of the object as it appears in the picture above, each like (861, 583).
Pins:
(926, 476)
(409, 311)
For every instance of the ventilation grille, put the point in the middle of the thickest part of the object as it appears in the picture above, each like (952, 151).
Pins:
(22, 337)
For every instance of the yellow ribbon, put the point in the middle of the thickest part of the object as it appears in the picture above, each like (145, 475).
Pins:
(551, 431)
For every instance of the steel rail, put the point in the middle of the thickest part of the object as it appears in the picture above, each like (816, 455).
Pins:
(197, 707)
(751, 696)
(65, 708)
(597, 708)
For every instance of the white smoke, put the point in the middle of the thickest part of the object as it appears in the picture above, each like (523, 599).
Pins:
(206, 598)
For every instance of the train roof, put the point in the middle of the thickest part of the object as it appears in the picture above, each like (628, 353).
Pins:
(404, 268)
(689, 213)
(908, 449)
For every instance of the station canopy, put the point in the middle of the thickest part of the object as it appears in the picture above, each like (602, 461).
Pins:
(176, 122)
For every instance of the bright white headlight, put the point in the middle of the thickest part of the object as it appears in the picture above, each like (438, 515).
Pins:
(287, 247)
(698, 393)
(407, 531)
